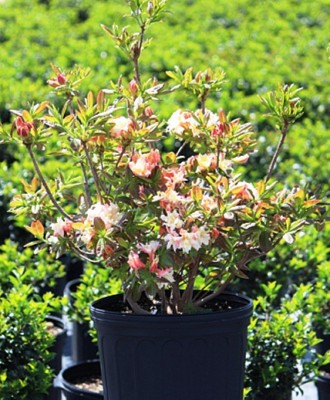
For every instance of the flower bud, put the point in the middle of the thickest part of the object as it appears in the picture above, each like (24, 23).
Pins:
(59, 80)
(23, 128)
(148, 112)
(150, 8)
(133, 86)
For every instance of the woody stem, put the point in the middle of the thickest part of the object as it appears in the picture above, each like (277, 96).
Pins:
(284, 133)
(92, 167)
(45, 185)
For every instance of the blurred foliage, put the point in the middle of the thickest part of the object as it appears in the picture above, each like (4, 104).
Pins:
(319, 299)
(40, 270)
(287, 267)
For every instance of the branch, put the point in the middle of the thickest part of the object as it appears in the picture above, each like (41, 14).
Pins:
(94, 173)
(45, 185)
(284, 133)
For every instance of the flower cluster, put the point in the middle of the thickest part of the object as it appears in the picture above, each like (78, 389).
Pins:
(163, 221)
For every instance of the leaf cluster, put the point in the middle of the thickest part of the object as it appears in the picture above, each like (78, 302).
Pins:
(24, 345)
(281, 341)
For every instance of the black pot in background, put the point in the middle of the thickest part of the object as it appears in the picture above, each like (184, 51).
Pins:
(323, 385)
(82, 347)
(66, 378)
(323, 346)
(74, 267)
(172, 357)
(57, 348)
(272, 395)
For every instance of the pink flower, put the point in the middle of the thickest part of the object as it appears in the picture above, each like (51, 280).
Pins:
(122, 128)
(134, 261)
(173, 176)
(61, 227)
(166, 273)
(154, 265)
(109, 213)
(149, 248)
(143, 164)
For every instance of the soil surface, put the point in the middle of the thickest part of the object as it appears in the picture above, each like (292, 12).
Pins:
(53, 329)
(154, 307)
(90, 383)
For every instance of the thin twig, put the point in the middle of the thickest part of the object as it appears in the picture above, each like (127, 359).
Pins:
(216, 293)
(86, 187)
(45, 185)
(95, 177)
(136, 56)
(284, 133)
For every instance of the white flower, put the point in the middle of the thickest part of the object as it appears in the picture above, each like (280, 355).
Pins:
(186, 241)
(122, 126)
(209, 203)
(109, 213)
(181, 121)
(172, 220)
(173, 240)
(202, 237)
(171, 196)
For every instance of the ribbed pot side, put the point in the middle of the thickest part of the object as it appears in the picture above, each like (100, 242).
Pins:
(167, 357)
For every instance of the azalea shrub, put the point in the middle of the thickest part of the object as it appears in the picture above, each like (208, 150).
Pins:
(166, 223)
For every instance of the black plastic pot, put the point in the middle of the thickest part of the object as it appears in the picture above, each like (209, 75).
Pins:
(57, 348)
(68, 376)
(323, 386)
(172, 357)
(82, 347)
(323, 346)
(273, 395)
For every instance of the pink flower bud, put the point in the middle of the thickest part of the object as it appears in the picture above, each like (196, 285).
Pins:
(23, 128)
(133, 86)
(61, 79)
(148, 112)
(58, 81)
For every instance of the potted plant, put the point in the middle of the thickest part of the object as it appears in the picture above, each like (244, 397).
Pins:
(25, 344)
(319, 306)
(281, 345)
(81, 381)
(175, 230)
(95, 282)
(323, 384)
